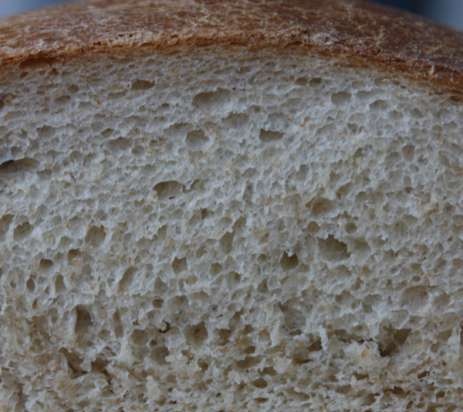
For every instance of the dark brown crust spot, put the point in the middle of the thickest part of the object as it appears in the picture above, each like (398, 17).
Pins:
(37, 60)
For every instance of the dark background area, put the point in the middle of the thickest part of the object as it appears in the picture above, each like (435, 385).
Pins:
(449, 12)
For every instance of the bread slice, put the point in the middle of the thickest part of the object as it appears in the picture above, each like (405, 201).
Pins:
(230, 206)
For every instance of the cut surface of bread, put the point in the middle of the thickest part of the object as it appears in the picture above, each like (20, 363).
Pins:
(221, 228)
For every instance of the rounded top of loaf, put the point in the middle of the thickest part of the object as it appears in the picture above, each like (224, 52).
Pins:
(354, 32)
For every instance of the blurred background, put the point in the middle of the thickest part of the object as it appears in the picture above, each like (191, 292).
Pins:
(449, 12)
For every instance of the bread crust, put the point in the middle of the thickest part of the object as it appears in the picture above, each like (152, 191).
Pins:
(353, 32)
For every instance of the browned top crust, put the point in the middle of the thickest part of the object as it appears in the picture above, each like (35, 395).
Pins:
(353, 31)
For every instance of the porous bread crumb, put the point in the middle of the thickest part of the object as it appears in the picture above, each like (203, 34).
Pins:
(228, 231)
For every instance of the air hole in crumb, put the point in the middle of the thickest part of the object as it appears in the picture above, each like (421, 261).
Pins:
(142, 84)
(73, 88)
(62, 100)
(196, 139)
(354, 128)
(178, 303)
(341, 98)
(179, 264)
(350, 227)
(343, 190)
(249, 349)
(415, 297)
(315, 81)
(294, 319)
(445, 335)
(369, 399)
(74, 362)
(159, 286)
(212, 99)
(260, 383)
(159, 354)
(320, 206)
(301, 174)
(196, 334)
(191, 280)
(302, 81)
(216, 268)
(198, 185)
(269, 371)
(226, 242)
(178, 130)
(30, 284)
(236, 120)
(95, 235)
(162, 232)
(139, 337)
(118, 326)
(107, 132)
(223, 336)
(157, 303)
(119, 144)
(164, 107)
(408, 152)
(203, 364)
(59, 283)
(378, 105)
(201, 297)
(5, 222)
(22, 230)
(233, 279)
(99, 365)
(391, 159)
(391, 340)
(442, 301)
(313, 228)
(248, 362)
(315, 344)
(17, 166)
(83, 321)
(168, 189)
(440, 394)
(288, 262)
(270, 135)
(398, 391)
(395, 115)
(74, 256)
(263, 287)
(45, 132)
(45, 264)
(333, 249)
(301, 355)
(126, 279)
(360, 247)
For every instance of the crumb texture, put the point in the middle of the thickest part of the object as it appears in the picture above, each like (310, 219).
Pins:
(227, 232)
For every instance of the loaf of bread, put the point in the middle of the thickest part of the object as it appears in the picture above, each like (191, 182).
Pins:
(230, 206)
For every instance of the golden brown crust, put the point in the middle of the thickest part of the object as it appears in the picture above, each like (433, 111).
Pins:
(352, 31)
